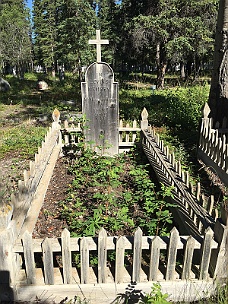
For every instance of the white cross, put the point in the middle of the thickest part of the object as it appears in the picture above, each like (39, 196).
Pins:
(98, 42)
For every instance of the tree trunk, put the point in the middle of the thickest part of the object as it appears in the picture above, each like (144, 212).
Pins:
(161, 66)
(161, 75)
(188, 69)
(182, 70)
(53, 71)
(218, 98)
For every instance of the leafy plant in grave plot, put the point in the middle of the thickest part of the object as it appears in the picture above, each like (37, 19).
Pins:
(115, 193)
(155, 296)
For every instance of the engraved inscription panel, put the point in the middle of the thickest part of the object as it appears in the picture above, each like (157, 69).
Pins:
(101, 107)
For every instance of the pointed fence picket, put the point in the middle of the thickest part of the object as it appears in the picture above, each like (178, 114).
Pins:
(169, 172)
(213, 145)
(170, 258)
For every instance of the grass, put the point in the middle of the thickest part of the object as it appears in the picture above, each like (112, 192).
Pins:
(25, 91)
(23, 140)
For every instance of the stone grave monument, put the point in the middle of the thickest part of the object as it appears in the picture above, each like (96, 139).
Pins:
(100, 104)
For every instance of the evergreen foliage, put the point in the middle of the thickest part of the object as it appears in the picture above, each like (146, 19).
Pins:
(158, 34)
(15, 37)
(176, 32)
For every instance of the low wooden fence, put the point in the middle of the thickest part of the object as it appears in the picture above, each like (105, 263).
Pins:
(21, 200)
(195, 209)
(213, 146)
(138, 258)
(28, 263)
(72, 135)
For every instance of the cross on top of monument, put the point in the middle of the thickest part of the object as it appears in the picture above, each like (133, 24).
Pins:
(98, 43)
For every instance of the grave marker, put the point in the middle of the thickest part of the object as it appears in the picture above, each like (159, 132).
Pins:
(100, 104)
(98, 43)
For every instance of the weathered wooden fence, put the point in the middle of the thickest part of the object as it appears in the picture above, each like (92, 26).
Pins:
(148, 258)
(72, 135)
(213, 146)
(37, 268)
(21, 200)
(138, 259)
(193, 208)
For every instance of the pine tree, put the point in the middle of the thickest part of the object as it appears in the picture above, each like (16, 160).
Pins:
(108, 19)
(172, 31)
(45, 30)
(15, 36)
(75, 30)
(61, 32)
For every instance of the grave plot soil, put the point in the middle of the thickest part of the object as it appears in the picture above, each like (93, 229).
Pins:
(49, 223)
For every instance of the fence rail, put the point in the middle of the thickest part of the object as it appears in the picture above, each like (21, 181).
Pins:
(137, 258)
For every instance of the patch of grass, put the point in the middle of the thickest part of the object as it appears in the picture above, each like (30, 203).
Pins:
(21, 140)
(24, 91)
(179, 108)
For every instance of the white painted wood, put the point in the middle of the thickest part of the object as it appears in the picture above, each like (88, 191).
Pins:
(48, 262)
(66, 257)
(29, 258)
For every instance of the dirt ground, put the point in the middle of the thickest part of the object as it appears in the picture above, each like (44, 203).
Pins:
(12, 167)
(49, 223)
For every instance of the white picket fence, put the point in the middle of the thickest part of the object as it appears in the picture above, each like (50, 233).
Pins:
(72, 135)
(188, 262)
(213, 146)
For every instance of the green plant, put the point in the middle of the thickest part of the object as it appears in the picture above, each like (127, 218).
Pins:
(115, 193)
(76, 300)
(155, 296)
(25, 139)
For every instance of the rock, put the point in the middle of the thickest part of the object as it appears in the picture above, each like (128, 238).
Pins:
(4, 85)
(42, 85)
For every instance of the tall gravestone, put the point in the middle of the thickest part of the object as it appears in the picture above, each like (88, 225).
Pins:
(100, 104)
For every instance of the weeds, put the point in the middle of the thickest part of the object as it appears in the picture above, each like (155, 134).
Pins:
(155, 296)
(115, 193)
(24, 140)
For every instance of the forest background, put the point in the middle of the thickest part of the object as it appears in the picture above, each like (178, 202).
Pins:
(145, 36)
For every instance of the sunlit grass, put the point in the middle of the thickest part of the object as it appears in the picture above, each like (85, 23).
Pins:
(21, 140)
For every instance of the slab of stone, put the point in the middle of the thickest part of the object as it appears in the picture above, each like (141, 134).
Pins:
(100, 106)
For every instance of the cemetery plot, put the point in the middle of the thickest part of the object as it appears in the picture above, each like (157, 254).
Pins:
(111, 192)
